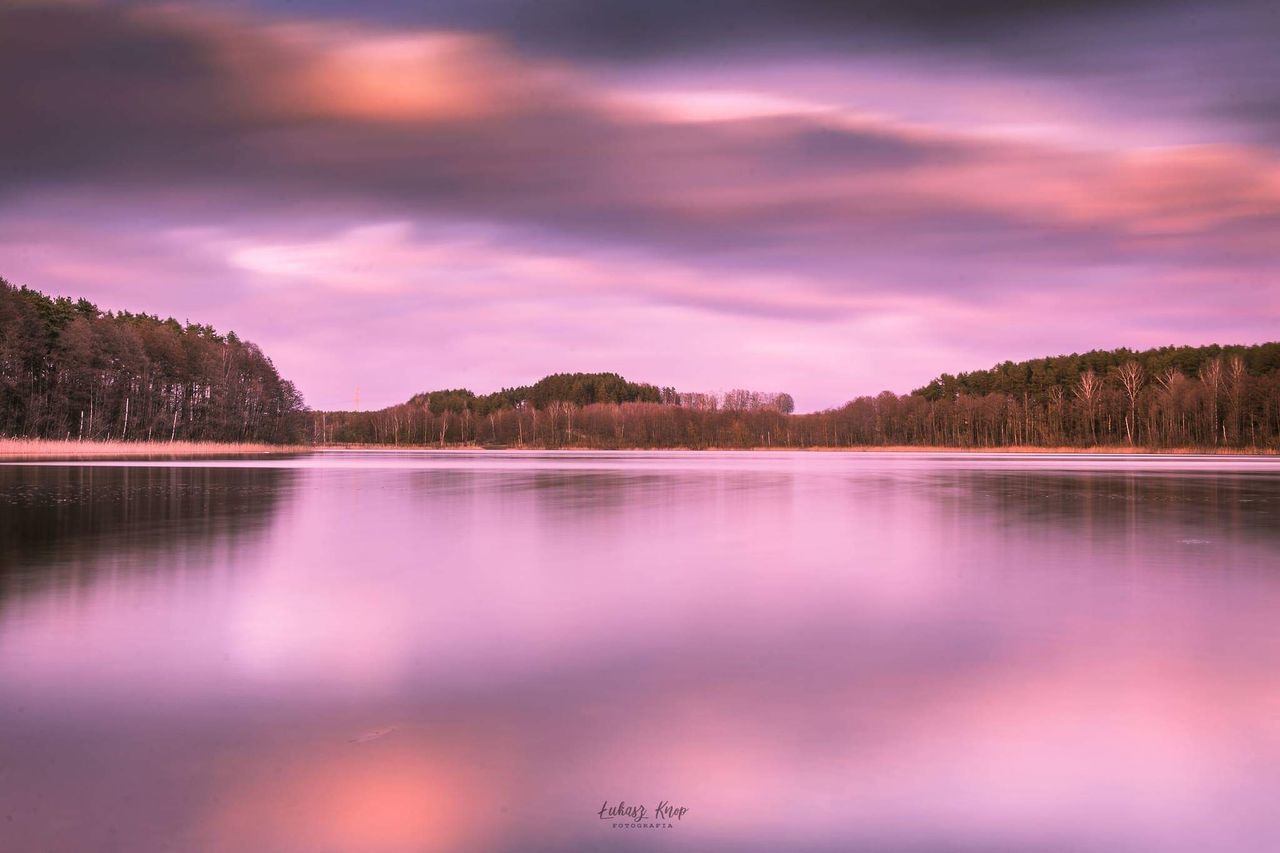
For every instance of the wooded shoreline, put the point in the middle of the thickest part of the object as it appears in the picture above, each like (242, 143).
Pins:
(1172, 397)
(1108, 450)
(72, 373)
(23, 449)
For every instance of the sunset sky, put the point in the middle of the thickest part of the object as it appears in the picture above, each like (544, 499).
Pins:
(826, 198)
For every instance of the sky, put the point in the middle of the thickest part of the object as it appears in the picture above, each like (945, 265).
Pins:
(824, 198)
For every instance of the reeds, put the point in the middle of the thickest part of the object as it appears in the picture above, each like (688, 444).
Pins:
(36, 448)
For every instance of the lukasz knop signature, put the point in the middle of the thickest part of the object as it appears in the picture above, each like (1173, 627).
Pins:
(638, 817)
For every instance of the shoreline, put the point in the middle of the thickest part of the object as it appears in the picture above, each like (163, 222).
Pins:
(1018, 449)
(13, 450)
(27, 449)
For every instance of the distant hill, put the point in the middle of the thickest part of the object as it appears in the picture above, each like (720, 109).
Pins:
(579, 389)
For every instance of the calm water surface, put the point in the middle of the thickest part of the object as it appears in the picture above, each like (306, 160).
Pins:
(422, 651)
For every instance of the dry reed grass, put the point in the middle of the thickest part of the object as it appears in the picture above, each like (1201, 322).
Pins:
(33, 448)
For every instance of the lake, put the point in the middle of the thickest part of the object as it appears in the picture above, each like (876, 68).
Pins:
(410, 651)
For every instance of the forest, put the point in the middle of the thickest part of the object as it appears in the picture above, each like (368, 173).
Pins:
(71, 371)
(1184, 397)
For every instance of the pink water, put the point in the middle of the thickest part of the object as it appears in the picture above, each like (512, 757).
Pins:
(444, 651)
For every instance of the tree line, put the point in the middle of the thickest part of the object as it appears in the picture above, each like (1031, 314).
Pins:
(1207, 397)
(578, 389)
(69, 370)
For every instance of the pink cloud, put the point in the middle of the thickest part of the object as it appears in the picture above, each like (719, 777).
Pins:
(401, 209)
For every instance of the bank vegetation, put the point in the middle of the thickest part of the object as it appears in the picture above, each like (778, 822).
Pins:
(1190, 398)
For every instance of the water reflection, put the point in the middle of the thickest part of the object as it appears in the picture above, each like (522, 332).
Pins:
(415, 652)
(58, 525)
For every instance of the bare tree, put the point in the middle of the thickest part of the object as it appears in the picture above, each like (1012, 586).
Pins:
(1132, 377)
(1235, 381)
(1057, 404)
(698, 401)
(1211, 376)
(1087, 389)
(738, 400)
(1170, 379)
